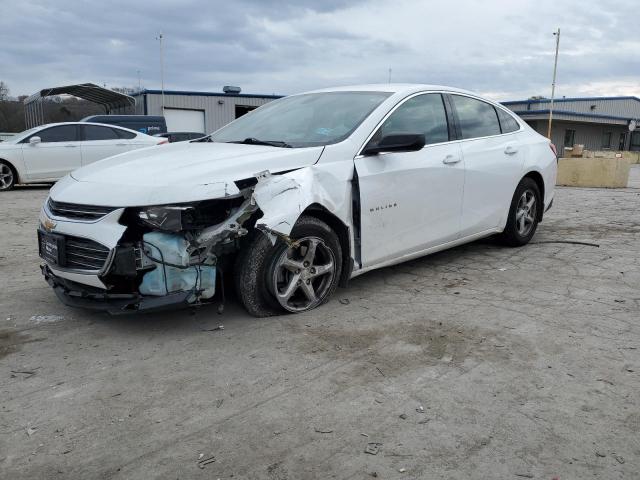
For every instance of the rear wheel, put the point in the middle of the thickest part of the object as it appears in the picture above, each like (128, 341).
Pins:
(293, 277)
(523, 214)
(8, 176)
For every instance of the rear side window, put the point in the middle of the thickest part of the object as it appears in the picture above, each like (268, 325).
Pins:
(423, 114)
(62, 133)
(508, 124)
(124, 134)
(476, 118)
(94, 132)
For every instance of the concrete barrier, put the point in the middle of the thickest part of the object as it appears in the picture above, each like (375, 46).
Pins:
(633, 156)
(594, 172)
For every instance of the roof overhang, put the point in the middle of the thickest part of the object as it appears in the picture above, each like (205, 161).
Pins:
(572, 116)
(87, 91)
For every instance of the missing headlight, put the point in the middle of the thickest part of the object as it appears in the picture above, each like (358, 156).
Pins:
(196, 216)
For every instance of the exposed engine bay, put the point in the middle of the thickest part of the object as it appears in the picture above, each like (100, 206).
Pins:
(167, 254)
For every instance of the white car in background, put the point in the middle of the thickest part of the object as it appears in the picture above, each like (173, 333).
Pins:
(294, 198)
(49, 152)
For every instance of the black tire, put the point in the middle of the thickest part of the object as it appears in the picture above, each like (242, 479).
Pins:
(513, 235)
(256, 263)
(8, 176)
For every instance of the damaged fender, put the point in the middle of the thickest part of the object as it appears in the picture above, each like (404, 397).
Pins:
(283, 198)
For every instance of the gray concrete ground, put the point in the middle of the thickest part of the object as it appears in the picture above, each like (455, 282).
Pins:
(480, 362)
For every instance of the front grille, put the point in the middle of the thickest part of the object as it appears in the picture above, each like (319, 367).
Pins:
(84, 254)
(78, 212)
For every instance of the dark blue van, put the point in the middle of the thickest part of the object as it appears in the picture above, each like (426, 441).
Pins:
(149, 124)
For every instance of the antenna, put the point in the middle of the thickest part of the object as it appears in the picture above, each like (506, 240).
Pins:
(389, 74)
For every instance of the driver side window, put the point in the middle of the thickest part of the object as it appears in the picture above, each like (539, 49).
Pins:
(423, 114)
(60, 133)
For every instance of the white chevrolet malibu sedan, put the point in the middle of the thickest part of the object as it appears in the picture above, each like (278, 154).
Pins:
(49, 152)
(294, 199)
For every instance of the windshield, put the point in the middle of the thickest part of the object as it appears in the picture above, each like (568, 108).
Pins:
(19, 136)
(303, 120)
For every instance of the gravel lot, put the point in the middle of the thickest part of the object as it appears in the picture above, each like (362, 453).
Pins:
(479, 362)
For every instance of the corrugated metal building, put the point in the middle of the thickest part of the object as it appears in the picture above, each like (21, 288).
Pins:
(598, 123)
(202, 112)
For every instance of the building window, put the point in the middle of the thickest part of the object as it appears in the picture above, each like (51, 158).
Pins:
(606, 139)
(569, 138)
(241, 110)
(634, 145)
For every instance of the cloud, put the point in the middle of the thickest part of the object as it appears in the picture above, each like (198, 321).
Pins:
(503, 49)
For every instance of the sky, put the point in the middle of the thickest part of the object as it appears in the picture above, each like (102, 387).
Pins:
(499, 48)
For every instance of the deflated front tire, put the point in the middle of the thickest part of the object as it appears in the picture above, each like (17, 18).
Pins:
(293, 276)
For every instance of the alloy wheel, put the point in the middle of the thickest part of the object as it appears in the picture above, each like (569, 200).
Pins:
(526, 213)
(6, 176)
(303, 274)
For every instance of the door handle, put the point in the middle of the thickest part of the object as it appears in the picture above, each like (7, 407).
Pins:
(121, 144)
(451, 159)
(510, 150)
(71, 146)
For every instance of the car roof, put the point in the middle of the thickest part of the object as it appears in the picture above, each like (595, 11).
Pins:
(407, 88)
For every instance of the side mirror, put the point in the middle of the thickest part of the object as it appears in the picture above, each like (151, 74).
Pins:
(409, 142)
(34, 140)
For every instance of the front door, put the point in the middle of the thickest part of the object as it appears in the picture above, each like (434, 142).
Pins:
(411, 201)
(57, 153)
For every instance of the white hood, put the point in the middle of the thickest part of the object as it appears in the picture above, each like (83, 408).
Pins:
(176, 173)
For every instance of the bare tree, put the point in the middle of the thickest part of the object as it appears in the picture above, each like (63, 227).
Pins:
(4, 91)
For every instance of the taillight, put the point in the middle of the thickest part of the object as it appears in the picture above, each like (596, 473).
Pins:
(163, 142)
(554, 149)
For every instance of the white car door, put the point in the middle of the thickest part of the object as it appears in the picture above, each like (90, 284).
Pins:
(411, 201)
(493, 163)
(101, 142)
(57, 153)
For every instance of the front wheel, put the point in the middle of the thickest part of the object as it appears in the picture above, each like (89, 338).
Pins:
(293, 277)
(523, 214)
(8, 176)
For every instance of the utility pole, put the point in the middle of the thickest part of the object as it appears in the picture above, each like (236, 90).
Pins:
(389, 76)
(160, 37)
(139, 82)
(553, 84)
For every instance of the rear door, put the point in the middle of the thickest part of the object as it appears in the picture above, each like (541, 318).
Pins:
(411, 201)
(57, 154)
(493, 163)
(101, 142)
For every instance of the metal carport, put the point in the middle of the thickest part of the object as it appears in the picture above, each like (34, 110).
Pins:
(34, 111)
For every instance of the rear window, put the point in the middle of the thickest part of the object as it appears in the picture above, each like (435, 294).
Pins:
(476, 118)
(94, 132)
(508, 124)
(125, 134)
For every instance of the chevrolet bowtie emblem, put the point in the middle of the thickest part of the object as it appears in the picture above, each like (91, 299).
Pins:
(49, 225)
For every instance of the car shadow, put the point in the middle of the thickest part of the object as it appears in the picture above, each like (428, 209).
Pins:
(207, 318)
(33, 186)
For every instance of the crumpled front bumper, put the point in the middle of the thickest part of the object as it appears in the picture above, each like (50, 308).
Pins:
(76, 294)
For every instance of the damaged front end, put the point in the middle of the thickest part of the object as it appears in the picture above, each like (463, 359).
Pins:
(156, 256)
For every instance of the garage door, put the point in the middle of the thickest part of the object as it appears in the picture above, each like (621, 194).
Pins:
(180, 120)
